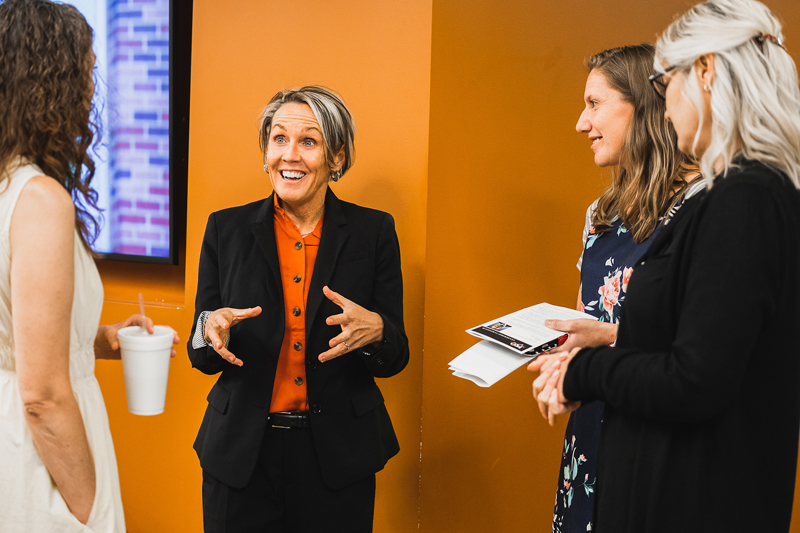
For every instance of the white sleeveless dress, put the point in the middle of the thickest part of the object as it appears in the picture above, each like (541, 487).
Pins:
(29, 500)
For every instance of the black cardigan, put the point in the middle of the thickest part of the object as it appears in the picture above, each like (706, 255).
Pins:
(702, 390)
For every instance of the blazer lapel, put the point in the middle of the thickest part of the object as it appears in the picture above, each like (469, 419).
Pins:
(334, 235)
(264, 231)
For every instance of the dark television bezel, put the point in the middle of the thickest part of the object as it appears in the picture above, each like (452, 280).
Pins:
(180, 70)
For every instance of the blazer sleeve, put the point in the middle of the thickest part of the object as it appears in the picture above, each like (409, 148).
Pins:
(388, 303)
(729, 289)
(208, 298)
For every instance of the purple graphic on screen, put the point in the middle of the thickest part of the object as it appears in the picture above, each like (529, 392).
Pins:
(131, 42)
(138, 126)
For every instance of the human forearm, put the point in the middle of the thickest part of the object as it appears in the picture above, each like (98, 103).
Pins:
(391, 355)
(208, 298)
(59, 435)
(42, 282)
(388, 303)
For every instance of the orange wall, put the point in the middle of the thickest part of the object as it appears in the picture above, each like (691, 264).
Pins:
(509, 182)
(465, 112)
(378, 57)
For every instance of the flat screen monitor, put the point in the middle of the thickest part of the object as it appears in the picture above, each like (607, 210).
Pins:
(143, 50)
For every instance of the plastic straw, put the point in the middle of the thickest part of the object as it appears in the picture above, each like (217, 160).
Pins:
(141, 305)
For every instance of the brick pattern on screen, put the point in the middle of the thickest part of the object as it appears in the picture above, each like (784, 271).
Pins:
(138, 103)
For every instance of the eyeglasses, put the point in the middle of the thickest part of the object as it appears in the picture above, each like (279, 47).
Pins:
(659, 86)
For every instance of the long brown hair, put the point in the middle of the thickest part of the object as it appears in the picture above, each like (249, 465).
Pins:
(46, 88)
(640, 190)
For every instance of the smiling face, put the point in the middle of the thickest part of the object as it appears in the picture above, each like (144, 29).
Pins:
(605, 119)
(296, 158)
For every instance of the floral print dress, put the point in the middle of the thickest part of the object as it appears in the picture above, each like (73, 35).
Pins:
(606, 266)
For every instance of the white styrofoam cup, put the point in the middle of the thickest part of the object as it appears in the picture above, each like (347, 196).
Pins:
(145, 363)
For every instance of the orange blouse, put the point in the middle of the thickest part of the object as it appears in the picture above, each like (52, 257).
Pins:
(296, 256)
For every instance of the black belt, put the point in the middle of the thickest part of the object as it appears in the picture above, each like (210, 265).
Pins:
(286, 420)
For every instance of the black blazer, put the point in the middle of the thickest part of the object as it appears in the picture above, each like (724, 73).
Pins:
(702, 399)
(358, 257)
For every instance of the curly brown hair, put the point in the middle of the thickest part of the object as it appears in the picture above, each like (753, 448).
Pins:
(642, 191)
(46, 89)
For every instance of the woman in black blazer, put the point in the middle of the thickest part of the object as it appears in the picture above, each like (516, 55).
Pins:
(700, 431)
(299, 307)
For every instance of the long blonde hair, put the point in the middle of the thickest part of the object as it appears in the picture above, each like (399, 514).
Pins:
(755, 100)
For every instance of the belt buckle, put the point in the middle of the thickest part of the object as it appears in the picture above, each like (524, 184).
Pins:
(282, 413)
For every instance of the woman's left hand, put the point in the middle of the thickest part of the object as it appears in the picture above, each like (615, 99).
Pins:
(360, 327)
(106, 344)
(549, 388)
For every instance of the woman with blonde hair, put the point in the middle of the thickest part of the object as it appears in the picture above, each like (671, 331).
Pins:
(700, 431)
(299, 309)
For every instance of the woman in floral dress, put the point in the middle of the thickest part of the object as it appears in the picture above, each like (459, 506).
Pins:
(624, 120)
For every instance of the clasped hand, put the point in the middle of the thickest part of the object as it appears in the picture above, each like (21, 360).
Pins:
(548, 388)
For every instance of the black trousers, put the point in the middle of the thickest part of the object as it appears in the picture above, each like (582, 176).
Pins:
(287, 494)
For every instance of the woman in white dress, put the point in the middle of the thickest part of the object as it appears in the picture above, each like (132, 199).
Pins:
(57, 466)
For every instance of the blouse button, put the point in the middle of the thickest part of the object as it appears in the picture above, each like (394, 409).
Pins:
(297, 278)
(296, 311)
(298, 380)
(298, 245)
(298, 346)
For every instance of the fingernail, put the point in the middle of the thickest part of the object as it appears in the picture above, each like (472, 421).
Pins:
(548, 323)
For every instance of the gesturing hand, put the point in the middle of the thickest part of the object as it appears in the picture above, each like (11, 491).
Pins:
(218, 325)
(583, 333)
(359, 327)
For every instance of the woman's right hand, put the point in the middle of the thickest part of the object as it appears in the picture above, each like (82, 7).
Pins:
(218, 325)
(547, 388)
(583, 333)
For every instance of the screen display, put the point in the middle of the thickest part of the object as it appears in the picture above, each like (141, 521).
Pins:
(132, 98)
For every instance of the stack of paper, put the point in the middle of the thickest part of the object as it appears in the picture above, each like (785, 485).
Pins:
(487, 363)
(510, 342)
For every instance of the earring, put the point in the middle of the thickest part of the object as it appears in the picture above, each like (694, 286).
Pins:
(705, 88)
(265, 168)
(335, 175)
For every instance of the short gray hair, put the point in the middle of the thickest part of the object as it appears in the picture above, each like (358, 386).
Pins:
(755, 98)
(335, 120)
